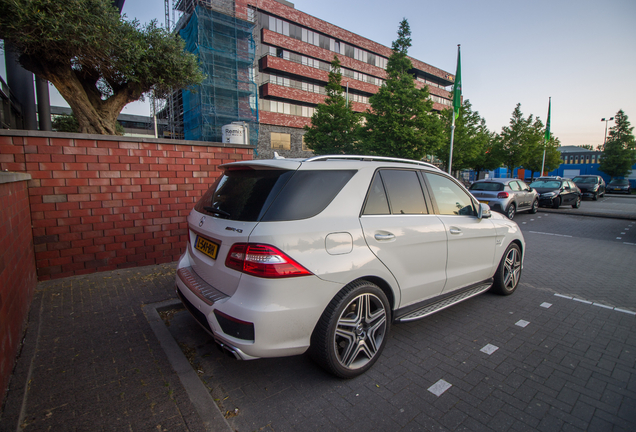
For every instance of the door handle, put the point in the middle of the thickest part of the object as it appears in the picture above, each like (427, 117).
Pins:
(454, 230)
(384, 237)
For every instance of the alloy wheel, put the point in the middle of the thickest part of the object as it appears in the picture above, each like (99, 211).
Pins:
(511, 269)
(360, 330)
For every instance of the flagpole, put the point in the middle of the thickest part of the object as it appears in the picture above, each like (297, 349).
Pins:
(457, 96)
(450, 157)
(546, 136)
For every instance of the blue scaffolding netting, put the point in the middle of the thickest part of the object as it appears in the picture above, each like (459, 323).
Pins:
(226, 50)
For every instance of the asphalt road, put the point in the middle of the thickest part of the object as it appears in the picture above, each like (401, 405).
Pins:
(559, 354)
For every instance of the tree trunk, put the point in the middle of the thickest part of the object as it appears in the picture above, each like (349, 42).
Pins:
(94, 115)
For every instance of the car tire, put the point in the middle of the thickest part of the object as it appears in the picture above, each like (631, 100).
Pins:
(595, 197)
(511, 211)
(577, 203)
(535, 207)
(509, 271)
(352, 331)
(556, 203)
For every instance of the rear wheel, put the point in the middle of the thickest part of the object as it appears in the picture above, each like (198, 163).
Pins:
(535, 207)
(556, 203)
(508, 272)
(352, 331)
(577, 203)
(511, 211)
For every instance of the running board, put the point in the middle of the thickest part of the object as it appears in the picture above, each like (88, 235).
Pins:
(448, 301)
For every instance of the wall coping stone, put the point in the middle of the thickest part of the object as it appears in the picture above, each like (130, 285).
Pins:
(81, 136)
(12, 177)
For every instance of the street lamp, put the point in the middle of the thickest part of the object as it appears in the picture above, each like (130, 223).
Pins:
(605, 136)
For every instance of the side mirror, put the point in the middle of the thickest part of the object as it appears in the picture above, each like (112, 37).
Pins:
(483, 211)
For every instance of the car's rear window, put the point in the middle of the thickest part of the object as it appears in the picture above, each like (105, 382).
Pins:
(272, 195)
(487, 186)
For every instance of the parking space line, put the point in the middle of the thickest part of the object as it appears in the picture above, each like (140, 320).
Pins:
(617, 309)
(550, 234)
(489, 349)
(439, 387)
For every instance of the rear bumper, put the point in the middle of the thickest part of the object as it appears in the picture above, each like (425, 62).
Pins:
(282, 312)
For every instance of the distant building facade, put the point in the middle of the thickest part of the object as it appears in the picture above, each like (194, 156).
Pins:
(281, 64)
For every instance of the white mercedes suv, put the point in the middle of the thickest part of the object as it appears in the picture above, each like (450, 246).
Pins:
(324, 254)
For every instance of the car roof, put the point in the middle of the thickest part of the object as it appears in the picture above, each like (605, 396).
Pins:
(332, 162)
(496, 180)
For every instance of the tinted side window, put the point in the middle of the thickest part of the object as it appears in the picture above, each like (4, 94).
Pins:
(306, 194)
(377, 203)
(404, 191)
(243, 194)
(450, 198)
(514, 186)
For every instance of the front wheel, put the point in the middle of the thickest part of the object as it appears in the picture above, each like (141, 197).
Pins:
(577, 203)
(595, 197)
(556, 203)
(535, 207)
(508, 272)
(352, 331)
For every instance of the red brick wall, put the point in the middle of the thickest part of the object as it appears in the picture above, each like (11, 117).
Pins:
(17, 272)
(104, 203)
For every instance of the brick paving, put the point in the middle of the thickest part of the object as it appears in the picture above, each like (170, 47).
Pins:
(97, 364)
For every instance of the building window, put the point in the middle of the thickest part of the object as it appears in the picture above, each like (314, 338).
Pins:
(281, 141)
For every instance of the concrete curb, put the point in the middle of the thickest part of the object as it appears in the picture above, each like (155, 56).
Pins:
(199, 395)
(577, 212)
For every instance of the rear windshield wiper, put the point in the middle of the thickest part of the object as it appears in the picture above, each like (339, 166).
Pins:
(218, 211)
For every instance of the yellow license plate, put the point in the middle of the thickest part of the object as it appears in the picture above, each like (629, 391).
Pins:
(209, 248)
(484, 202)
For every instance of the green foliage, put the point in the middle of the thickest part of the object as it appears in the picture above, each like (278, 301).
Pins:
(471, 140)
(334, 125)
(65, 123)
(534, 157)
(400, 123)
(619, 153)
(98, 61)
(513, 144)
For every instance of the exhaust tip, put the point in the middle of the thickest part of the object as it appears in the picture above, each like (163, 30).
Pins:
(227, 350)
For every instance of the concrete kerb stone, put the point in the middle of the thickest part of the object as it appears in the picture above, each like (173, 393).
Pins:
(198, 394)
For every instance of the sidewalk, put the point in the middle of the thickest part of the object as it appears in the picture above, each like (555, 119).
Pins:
(92, 361)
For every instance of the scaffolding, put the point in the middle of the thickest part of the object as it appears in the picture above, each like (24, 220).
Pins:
(226, 50)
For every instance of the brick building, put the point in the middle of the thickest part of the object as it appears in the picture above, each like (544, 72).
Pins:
(282, 60)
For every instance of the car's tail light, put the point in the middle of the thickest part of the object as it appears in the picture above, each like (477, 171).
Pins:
(503, 195)
(263, 261)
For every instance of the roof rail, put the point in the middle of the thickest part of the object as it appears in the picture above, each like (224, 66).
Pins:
(370, 158)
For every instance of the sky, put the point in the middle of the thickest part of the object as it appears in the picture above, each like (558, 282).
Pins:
(581, 53)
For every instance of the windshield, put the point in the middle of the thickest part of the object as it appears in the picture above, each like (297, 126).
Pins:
(487, 186)
(619, 182)
(584, 180)
(546, 184)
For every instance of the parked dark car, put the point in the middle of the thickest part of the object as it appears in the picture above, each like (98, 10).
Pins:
(506, 195)
(619, 186)
(557, 192)
(592, 186)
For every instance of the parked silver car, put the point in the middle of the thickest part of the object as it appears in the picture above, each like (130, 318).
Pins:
(326, 253)
(506, 195)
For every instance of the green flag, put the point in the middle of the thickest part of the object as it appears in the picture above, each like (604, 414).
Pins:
(547, 126)
(457, 89)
